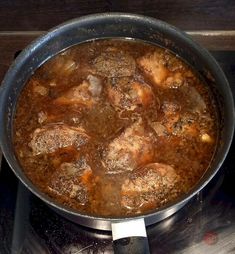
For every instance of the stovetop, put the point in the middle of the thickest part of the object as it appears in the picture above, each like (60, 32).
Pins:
(205, 225)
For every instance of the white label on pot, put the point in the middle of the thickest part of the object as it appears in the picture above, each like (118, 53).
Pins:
(128, 228)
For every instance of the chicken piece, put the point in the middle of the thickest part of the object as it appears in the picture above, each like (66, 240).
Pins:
(134, 94)
(86, 94)
(150, 186)
(155, 66)
(73, 180)
(187, 126)
(114, 63)
(52, 137)
(179, 123)
(133, 148)
(174, 80)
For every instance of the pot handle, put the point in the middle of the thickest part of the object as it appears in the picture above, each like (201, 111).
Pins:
(129, 236)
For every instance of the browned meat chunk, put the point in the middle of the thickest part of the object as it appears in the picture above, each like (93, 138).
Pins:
(131, 95)
(175, 80)
(160, 69)
(114, 63)
(154, 66)
(52, 137)
(189, 124)
(150, 186)
(133, 148)
(179, 123)
(86, 94)
(72, 180)
(186, 126)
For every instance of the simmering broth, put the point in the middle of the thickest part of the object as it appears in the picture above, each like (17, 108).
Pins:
(115, 127)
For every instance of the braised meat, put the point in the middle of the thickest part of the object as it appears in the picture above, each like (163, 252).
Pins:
(86, 94)
(163, 70)
(72, 180)
(133, 148)
(52, 137)
(113, 62)
(125, 94)
(150, 186)
(189, 124)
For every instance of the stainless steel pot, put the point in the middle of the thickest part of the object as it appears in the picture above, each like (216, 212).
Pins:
(115, 25)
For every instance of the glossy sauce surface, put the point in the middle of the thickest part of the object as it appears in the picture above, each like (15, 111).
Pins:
(115, 127)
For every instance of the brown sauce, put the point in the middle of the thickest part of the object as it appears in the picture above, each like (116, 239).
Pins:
(115, 127)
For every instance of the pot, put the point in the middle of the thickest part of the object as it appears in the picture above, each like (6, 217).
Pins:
(128, 26)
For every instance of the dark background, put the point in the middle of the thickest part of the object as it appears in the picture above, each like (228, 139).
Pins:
(31, 15)
(210, 22)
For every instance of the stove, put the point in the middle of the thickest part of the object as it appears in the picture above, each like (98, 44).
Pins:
(205, 225)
